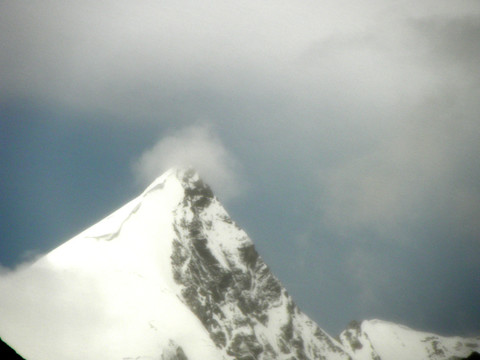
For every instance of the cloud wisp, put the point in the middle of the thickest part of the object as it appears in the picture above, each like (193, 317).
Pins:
(198, 147)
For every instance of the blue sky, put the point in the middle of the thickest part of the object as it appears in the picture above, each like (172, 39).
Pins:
(342, 136)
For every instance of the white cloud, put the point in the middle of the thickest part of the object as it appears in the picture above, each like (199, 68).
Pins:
(198, 147)
(139, 58)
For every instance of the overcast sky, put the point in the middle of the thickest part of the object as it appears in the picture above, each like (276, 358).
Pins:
(343, 136)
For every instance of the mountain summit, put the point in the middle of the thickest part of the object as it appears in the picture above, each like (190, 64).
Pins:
(171, 276)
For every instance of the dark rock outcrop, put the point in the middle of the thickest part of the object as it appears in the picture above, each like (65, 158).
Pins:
(7, 353)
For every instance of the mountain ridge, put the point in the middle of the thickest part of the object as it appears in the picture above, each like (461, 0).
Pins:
(173, 277)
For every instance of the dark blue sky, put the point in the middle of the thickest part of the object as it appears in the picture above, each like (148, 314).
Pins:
(343, 139)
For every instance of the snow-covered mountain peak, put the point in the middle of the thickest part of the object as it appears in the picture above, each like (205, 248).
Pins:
(193, 188)
(167, 273)
(180, 241)
(383, 324)
(170, 276)
(184, 175)
(379, 339)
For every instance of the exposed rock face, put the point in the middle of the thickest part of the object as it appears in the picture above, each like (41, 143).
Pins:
(173, 352)
(358, 342)
(245, 309)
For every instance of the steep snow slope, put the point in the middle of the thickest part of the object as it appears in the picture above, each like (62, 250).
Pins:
(117, 274)
(376, 339)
